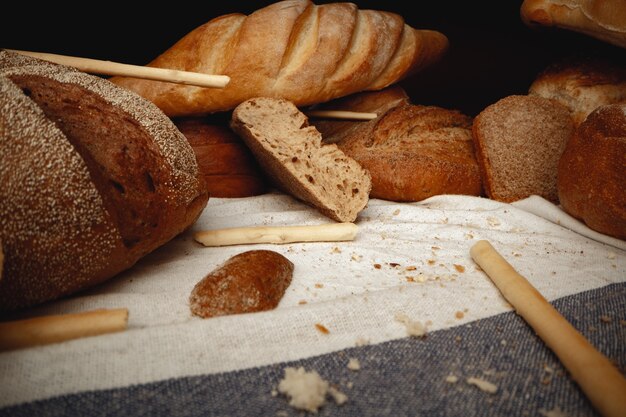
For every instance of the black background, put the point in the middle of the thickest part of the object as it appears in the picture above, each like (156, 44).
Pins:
(492, 52)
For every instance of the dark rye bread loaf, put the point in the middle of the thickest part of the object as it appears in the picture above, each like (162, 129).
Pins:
(93, 178)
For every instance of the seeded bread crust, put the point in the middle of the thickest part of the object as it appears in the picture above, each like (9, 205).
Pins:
(94, 177)
(293, 156)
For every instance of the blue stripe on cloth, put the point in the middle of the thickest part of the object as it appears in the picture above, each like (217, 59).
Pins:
(405, 377)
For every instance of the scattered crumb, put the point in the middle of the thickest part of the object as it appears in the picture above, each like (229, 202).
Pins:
(350, 384)
(611, 255)
(459, 268)
(396, 212)
(354, 364)
(458, 339)
(306, 390)
(377, 266)
(452, 379)
(413, 327)
(410, 268)
(593, 328)
(282, 413)
(483, 385)
(503, 342)
(336, 250)
(606, 319)
(459, 315)
(361, 341)
(435, 247)
(302, 302)
(555, 412)
(492, 221)
(410, 279)
(356, 257)
(339, 397)
(431, 262)
(394, 264)
(319, 285)
(322, 328)
(274, 393)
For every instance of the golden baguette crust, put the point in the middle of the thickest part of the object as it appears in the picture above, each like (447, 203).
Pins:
(292, 49)
(601, 19)
(93, 178)
(592, 171)
(412, 152)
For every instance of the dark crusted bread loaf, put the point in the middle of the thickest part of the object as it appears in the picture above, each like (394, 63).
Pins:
(225, 162)
(412, 152)
(292, 155)
(93, 178)
(592, 171)
(519, 141)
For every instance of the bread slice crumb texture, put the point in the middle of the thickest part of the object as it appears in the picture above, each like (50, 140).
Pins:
(293, 155)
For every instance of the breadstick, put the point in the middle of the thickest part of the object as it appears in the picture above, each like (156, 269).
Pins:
(96, 66)
(58, 328)
(277, 234)
(601, 382)
(341, 114)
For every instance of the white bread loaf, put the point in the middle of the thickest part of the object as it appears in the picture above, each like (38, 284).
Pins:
(601, 19)
(292, 155)
(592, 171)
(582, 85)
(292, 49)
(93, 178)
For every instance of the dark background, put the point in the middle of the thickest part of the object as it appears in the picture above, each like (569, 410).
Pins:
(492, 52)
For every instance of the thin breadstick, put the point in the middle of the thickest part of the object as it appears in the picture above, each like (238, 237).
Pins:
(277, 234)
(58, 328)
(95, 66)
(341, 114)
(601, 382)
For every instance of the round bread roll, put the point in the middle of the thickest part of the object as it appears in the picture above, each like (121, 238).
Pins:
(225, 162)
(93, 178)
(592, 171)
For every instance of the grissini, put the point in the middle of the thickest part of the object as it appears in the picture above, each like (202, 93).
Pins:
(603, 384)
(292, 49)
(331, 232)
(59, 328)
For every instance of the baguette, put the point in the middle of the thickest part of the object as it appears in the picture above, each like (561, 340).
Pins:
(292, 49)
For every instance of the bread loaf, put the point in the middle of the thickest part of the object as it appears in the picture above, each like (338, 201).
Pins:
(592, 171)
(412, 152)
(582, 85)
(93, 178)
(224, 161)
(519, 141)
(291, 153)
(292, 49)
(600, 19)
(251, 281)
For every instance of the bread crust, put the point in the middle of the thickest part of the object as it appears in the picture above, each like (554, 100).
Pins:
(248, 282)
(94, 177)
(412, 152)
(292, 49)
(592, 172)
(224, 161)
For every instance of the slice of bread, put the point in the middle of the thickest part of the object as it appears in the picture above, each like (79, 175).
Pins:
(292, 154)
(519, 141)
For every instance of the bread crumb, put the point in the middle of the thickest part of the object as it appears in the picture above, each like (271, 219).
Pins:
(459, 268)
(356, 257)
(339, 397)
(361, 341)
(377, 266)
(452, 379)
(354, 364)
(413, 327)
(611, 255)
(322, 328)
(302, 302)
(483, 385)
(492, 221)
(319, 285)
(606, 319)
(410, 268)
(459, 315)
(336, 250)
(306, 390)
